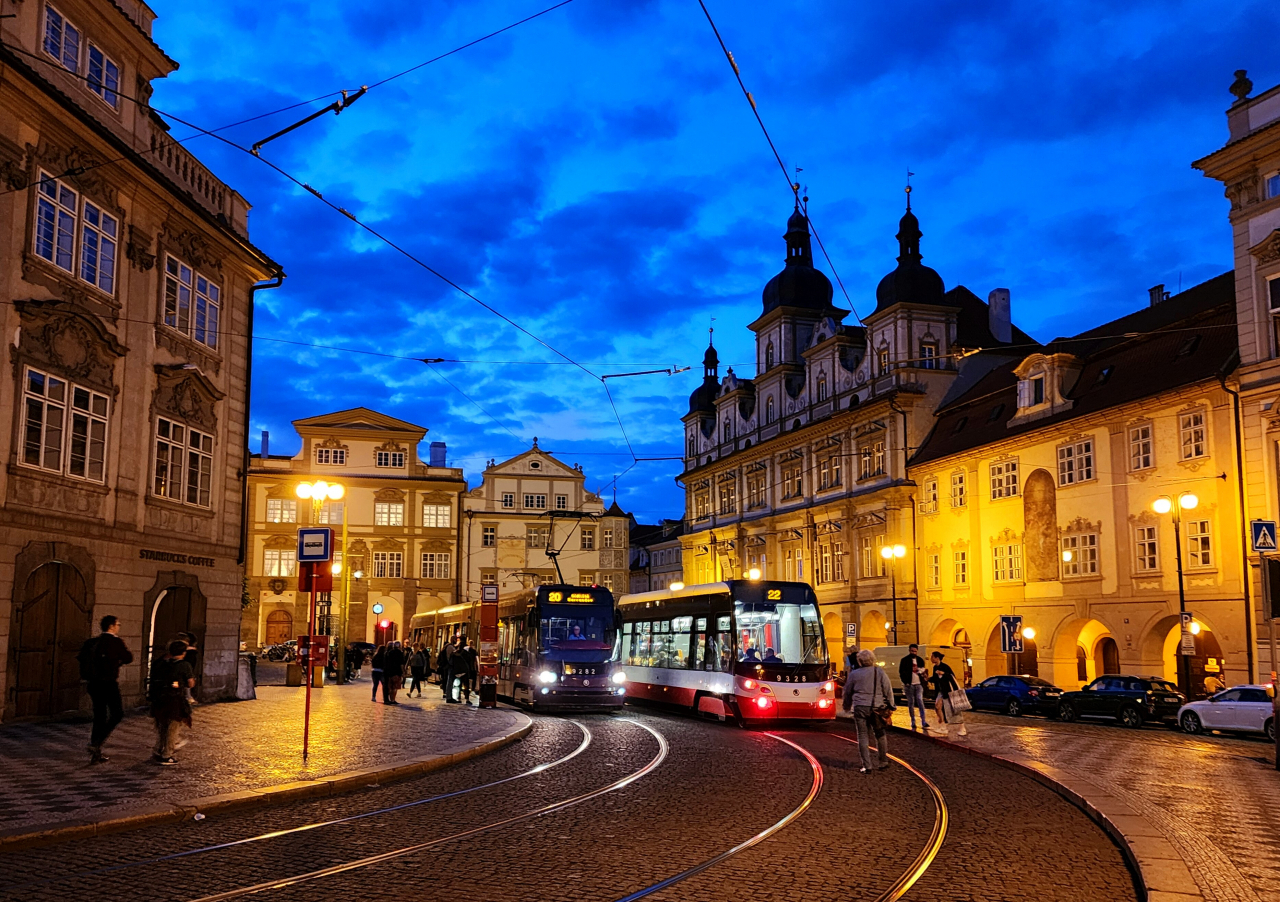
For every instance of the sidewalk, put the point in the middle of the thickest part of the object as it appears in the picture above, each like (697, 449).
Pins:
(240, 753)
(1200, 815)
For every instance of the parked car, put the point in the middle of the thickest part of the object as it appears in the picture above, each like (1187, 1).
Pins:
(1131, 700)
(1248, 709)
(1015, 695)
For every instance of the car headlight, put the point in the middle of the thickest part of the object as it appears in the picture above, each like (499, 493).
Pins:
(546, 677)
(619, 676)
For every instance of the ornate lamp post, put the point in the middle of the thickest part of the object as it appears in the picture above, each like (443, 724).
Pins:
(318, 493)
(892, 554)
(1164, 505)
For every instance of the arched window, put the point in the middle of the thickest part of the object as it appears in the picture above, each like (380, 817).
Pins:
(822, 386)
(768, 356)
(768, 410)
(728, 431)
(693, 447)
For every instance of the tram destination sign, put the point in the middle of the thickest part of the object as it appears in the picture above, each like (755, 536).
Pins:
(571, 598)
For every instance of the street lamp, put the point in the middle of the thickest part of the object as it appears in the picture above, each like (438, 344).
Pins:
(892, 553)
(1165, 505)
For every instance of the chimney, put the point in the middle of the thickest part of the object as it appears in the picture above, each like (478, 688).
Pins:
(998, 314)
(1157, 294)
(266, 443)
(438, 454)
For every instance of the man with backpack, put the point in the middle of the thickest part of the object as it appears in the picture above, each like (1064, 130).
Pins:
(101, 658)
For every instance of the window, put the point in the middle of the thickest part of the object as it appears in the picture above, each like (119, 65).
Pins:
(1192, 429)
(757, 484)
(562, 502)
(61, 214)
(606, 537)
(282, 510)
(489, 537)
(792, 481)
(929, 497)
(1273, 293)
(536, 536)
(535, 502)
(726, 432)
(822, 386)
(1199, 546)
(388, 513)
(1148, 548)
(866, 557)
(823, 569)
(1007, 563)
(872, 460)
(789, 559)
(388, 564)
(393, 459)
(435, 515)
(768, 357)
(332, 512)
(1075, 462)
(104, 77)
(588, 540)
(960, 561)
(768, 410)
(935, 571)
(508, 499)
(829, 472)
(183, 455)
(61, 40)
(65, 441)
(1273, 185)
(488, 578)
(929, 355)
(882, 361)
(184, 288)
(1004, 479)
(877, 454)
(959, 496)
(608, 583)
(1083, 550)
(879, 559)
(279, 562)
(838, 554)
(728, 496)
(435, 565)
(331, 457)
(535, 465)
(1140, 447)
(701, 505)
(586, 578)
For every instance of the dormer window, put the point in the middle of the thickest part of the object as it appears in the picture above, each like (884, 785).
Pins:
(882, 360)
(929, 355)
(822, 386)
(727, 432)
(768, 357)
(768, 411)
(1031, 391)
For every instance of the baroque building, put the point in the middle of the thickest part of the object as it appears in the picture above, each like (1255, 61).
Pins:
(1036, 488)
(1249, 168)
(127, 286)
(401, 516)
(800, 472)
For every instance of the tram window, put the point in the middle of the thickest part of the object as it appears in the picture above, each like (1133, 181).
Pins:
(793, 631)
(700, 644)
(673, 648)
(562, 632)
(643, 641)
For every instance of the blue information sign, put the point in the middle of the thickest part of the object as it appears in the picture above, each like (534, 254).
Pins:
(1011, 634)
(315, 545)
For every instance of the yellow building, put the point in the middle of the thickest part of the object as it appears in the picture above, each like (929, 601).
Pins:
(402, 522)
(1036, 490)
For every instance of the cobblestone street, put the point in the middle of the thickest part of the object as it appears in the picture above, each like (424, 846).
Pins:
(45, 776)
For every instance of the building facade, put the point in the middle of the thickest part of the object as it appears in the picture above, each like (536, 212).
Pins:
(128, 282)
(656, 556)
(530, 512)
(1249, 168)
(1037, 487)
(402, 527)
(800, 472)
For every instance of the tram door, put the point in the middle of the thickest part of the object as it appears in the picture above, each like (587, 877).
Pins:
(53, 622)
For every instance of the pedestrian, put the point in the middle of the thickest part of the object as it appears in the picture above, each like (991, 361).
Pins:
(375, 669)
(392, 673)
(100, 661)
(912, 672)
(418, 669)
(171, 677)
(950, 711)
(870, 695)
(444, 661)
(1213, 685)
(191, 656)
(472, 657)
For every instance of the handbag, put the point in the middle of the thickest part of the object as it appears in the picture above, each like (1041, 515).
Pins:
(958, 699)
(884, 713)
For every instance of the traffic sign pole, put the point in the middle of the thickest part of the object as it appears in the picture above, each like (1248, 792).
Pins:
(315, 550)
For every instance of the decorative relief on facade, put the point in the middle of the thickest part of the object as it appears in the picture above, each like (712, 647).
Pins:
(1245, 192)
(1040, 520)
(390, 445)
(388, 544)
(436, 545)
(80, 168)
(72, 343)
(389, 494)
(1007, 536)
(187, 395)
(138, 250)
(189, 522)
(1268, 249)
(280, 542)
(193, 248)
(13, 170)
(47, 495)
(1081, 525)
(437, 497)
(331, 442)
(185, 349)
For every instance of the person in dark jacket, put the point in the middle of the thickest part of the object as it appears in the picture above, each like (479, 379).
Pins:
(913, 673)
(392, 673)
(444, 663)
(418, 669)
(100, 661)
(375, 668)
(171, 677)
(944, 683)
(471, 668)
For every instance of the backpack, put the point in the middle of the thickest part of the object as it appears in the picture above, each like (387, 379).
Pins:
(88, 652)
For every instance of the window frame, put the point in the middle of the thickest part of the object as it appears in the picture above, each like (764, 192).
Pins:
(440, 516)
(1006, 563)
(330, 457)
(68, 436)
(286, 510)
(385, 562)
(1193, 434)
(61, 56)
(960, 568)
(203, 298)
(283, 561)
(1076, 462)
(1146, 547)
(389, 460)
(203, 455)
(90, 230)
(387, 513)
(488, 536)
(508, 500)
(535, 501)
(1199, 539)
(1002, 475)
(1142, 448)
(959, 490)
(437, 567)
(929, 496)
(1084, 555)
(586, 540)
(102, 88)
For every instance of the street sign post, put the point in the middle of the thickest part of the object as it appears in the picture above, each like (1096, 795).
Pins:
(1271, 592)
(315, 550)
(851, 634)
(1011, 634)
(488, 646)
(1263, 535)
(1187, 645)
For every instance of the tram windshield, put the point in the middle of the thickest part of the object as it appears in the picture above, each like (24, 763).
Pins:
(779, 633)
(570, 634)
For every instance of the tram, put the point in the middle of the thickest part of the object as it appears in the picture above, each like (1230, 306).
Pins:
(752, 650)
(556, 645)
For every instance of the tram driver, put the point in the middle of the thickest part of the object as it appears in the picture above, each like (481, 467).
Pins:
(576, 633)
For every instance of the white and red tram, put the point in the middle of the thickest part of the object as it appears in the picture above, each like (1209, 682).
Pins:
(747, 649)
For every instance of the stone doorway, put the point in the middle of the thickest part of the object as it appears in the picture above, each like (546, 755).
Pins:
(52, 620)
(279, 628)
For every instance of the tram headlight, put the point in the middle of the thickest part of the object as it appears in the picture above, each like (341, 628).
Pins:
(619, 676)
(546, 677)
(748, 684)
(829, 686)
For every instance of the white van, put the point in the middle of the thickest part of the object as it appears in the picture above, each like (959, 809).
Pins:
(890, 656)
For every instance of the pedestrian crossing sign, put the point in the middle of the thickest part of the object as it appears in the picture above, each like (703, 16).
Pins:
(1264, 535)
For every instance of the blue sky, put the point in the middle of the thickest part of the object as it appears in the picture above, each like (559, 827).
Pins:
(597, 176)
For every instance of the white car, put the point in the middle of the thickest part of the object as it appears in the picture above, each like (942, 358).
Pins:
(1247, 709)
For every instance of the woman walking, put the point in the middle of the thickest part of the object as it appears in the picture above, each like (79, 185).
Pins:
(418, 670)
(375, 668)
(869, 693)
(945, 683)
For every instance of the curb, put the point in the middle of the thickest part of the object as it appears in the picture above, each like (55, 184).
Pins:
(266, 796)
(1161, 873)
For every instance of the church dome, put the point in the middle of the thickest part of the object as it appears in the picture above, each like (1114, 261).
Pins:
(912, 282)
(703, 398)
(799, 284)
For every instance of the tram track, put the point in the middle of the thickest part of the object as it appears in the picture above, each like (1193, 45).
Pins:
(382, 857)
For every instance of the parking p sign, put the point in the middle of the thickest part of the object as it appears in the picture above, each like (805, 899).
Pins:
(315, 545)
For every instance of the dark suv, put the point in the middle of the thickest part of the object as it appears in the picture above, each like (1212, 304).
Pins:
(1128, 699)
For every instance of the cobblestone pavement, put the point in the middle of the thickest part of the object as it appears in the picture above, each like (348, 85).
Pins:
(1215, 798)
(45, 776)
(717, 787)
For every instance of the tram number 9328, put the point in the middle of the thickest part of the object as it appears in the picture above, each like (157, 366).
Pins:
(579, 670)
(791, 678)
